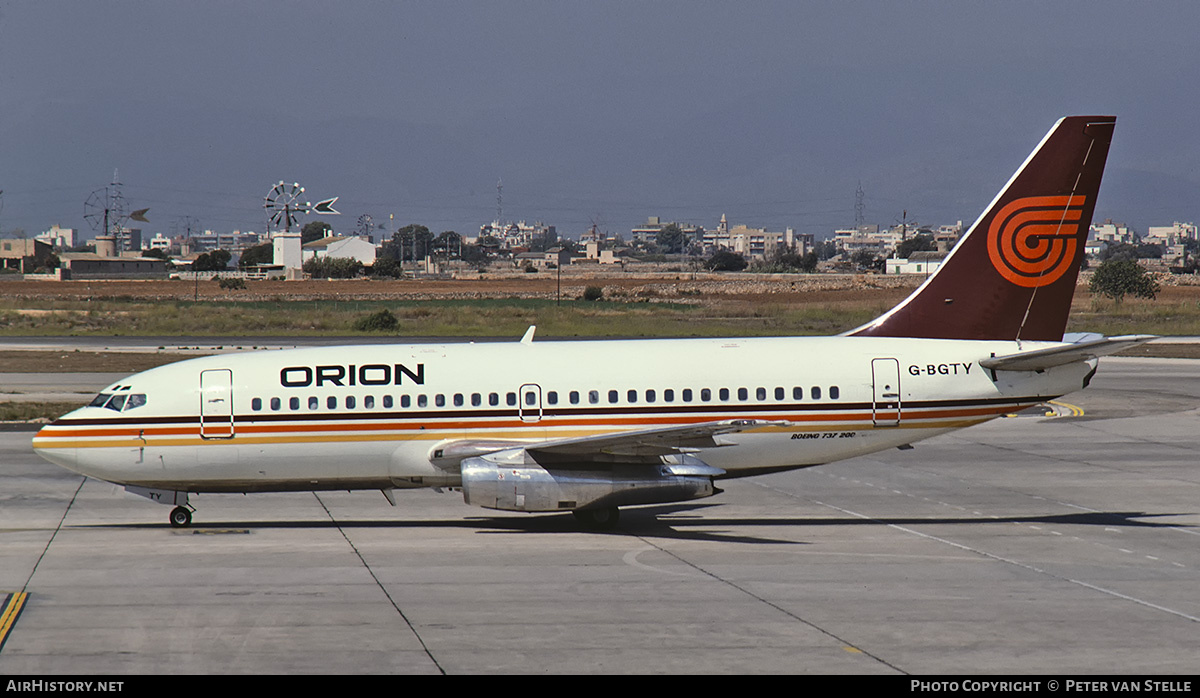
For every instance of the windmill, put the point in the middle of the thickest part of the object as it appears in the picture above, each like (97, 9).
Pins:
(104, 209)
(284, 204)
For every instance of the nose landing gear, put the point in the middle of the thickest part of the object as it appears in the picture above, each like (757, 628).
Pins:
(181, 517)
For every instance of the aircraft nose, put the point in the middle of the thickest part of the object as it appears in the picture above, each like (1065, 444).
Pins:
(50, 443)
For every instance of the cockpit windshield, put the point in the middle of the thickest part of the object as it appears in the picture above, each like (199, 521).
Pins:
(118, 403)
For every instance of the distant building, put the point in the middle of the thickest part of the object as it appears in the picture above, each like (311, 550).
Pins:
(924, 263)
(158, 242)
(234, 242)
(865, 237)
(1112, 233)
(518, 235)
(338, 246)
(1174, 234)
(754, 243)
(24, 255)
(59, 238)
(84, 265)
(648, 232)
(127, 239)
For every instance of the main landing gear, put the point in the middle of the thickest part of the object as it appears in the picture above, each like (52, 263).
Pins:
(181, 517)
(598, 519)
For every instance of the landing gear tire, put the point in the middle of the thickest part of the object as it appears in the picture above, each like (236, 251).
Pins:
(598, 519)
(181, 517)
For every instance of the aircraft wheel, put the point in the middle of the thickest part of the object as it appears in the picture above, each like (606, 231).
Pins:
(181, 517)
(600, 519)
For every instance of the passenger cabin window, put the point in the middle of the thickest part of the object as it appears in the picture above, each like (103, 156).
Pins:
(779, 393)
(314, 403)
(724, 394)
(834, 393)
(331, 403)
(476, 399)
(687, 394)
(406, 401)
(705, 395)
(650, 396)
(797, 393)
(669, 395)
(275, 404)
(552, 397)
(493, 399)
(387, 402)
(511, 399)
(574, 397)
(743, 394)
(255, 404)
(593, 396)
(369, 402)
(458, 400)
(349, 402)
(439, 400)
(422, 401)
(631, 395)
(816, 392)
(613, 396)
(294, 403)
(760, 394)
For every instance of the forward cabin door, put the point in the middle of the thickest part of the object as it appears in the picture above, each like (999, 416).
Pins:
(216, 404)
(885, 400)
(530, 397)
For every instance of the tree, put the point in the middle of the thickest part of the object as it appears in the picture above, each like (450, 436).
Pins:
(671, 239)
(315, 230)
(1117, 278)
(333, 268)
(917, 243)
(724, 260)
(411, 242)
(217, 260)
(259, 254)
(794, 261)
(865, 260)
(386, 266)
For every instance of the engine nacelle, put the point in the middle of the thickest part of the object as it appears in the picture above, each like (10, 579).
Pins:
(522, 485)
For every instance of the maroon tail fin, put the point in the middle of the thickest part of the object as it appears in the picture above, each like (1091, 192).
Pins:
(1013, 274)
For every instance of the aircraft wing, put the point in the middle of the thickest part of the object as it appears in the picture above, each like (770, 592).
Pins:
(1042, 359)
(636, 446)
(643, 442)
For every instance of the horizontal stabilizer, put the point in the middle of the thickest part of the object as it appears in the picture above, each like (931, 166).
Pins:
(1042, 359)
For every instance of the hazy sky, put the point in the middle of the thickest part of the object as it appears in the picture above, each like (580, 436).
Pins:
(769, 112)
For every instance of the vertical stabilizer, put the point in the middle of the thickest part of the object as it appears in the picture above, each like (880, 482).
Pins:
(1012, 276)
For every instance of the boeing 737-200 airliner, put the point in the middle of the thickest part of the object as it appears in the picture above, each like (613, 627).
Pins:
(591, 426)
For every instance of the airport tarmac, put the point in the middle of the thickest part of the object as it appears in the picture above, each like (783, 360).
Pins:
(1029, 545)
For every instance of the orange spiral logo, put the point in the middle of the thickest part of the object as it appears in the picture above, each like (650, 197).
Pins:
(1032, 241)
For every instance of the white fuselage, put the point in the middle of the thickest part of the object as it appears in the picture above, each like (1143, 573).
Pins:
(373, 416)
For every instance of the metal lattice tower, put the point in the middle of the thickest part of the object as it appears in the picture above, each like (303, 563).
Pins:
(859, 207)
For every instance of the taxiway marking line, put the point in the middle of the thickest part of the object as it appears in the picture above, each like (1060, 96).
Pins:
(12, 610)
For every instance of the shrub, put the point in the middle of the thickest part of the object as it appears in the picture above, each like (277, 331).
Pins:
(1117, 277)
(231, 283)
(382, 321)
(593, 293)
